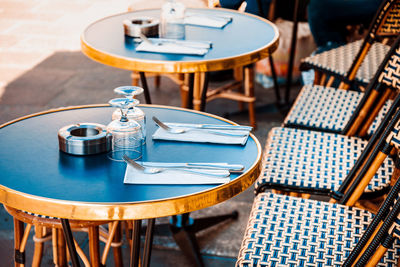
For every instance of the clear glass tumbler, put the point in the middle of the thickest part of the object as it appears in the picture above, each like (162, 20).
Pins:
(127, 137)
(134, 113)
(172, 20)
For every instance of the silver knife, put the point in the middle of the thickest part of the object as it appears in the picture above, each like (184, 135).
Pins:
(215, 166)
(211, 126)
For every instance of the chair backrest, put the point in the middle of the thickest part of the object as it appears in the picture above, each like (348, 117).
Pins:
(386, 23)
(385, 81)
(387, 20)
(387, 78)
(385, 227)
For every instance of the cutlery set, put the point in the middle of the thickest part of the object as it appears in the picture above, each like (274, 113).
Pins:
(212, 172)
(180, 130)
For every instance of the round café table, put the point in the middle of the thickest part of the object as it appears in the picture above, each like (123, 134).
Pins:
(37, 177)
(243, 41)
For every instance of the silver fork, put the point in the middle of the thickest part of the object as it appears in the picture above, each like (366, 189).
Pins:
(152, 170)
(180, 130)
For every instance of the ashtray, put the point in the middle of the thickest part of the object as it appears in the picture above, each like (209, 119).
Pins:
(84, 139)
(141, 25)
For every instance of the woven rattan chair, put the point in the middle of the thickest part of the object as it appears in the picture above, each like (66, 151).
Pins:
(50, 229)
(289, 231)
(357, 62)
(344, 111)
(312, 162)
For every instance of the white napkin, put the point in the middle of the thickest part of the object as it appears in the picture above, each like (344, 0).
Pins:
(135, 176)
(190, 43)
(203, 136)
(170, 48)
(212, 21)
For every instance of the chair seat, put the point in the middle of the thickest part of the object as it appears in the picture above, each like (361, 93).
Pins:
(290, 231)
(316, 162)
(327, 109)
(338, 61)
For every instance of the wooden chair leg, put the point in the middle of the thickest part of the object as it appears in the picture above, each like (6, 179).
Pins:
(249, 91)
(19, 258)
(323, 80)
(61, 249)
(330, 81)
(38, 252)
(238, 76)
(317, 77)
(117, 251)
(94, 246)
(20, 239)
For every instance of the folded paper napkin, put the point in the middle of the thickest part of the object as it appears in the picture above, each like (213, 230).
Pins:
(190, 43)
(202, 135)
(172, 176)
(207, 20)
(171, 48)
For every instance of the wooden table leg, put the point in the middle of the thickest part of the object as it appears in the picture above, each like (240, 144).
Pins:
(197, 88)
(94, 246)
(249, 91)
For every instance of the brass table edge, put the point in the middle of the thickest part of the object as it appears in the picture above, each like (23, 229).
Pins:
(129, 211)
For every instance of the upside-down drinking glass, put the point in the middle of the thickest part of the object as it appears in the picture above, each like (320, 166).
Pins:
(127, 137)
(134, 113)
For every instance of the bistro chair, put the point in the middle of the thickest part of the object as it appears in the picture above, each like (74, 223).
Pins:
(344, 111)
(50, 229)
(322, 163)
(285, 230)
(357, 61)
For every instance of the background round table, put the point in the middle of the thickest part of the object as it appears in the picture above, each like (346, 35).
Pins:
(38, 178)
(245, 40)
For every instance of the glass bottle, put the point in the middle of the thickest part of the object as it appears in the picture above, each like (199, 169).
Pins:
(172, 20)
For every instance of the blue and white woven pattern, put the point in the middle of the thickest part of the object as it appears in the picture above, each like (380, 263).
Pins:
(391, 74)
(339, 60)
(289, 231)
(394, 137)
(327, 108)
(314, 160)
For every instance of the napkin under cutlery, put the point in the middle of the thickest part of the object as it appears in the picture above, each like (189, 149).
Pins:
(174, 47)
(202, 135)
(206, 20)
(171, 176)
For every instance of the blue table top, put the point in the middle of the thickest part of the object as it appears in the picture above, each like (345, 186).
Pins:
(32, 166)
(247, 38)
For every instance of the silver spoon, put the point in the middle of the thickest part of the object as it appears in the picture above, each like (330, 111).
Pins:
(152, 170)
(180, 130)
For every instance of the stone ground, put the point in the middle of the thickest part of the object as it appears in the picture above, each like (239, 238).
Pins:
(41, 67)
